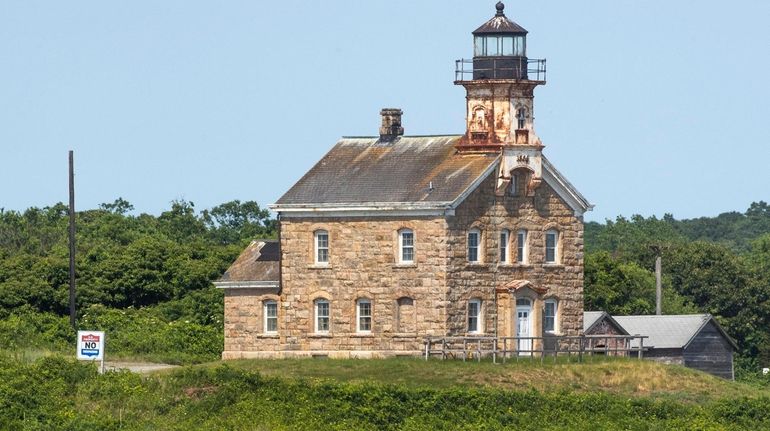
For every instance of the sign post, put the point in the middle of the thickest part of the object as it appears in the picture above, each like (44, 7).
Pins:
(91, 347)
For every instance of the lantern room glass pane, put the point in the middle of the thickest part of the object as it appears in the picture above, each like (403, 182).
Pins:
(493, 46)
(507, 45)
(478, 46)
(519, 46)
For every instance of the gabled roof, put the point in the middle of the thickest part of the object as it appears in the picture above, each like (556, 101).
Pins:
(592, 318)
(258, 266)
(424, 174)
(413, 172)
(670, 331)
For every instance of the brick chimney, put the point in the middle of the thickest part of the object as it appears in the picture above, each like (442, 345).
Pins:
(391, 124)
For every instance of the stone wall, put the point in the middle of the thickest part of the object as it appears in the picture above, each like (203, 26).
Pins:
(563, 281)
(362, 264)
(426, 298)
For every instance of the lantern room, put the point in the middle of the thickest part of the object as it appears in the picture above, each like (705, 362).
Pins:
(500, 49)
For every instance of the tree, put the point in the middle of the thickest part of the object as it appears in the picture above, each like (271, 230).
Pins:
(235, 222)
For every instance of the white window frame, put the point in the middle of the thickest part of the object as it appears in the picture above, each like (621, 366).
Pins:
(555, 247)
(477, 302)
(317, 247)
(402, 247)
(476, 248)
(360, 316)
(546, 316)
(266, 318)
(505, 246)
(522, 247)
(318, 316)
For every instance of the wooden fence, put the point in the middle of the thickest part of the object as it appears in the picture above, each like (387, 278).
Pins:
(505, 348)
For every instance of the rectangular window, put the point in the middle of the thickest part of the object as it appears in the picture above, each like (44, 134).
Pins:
(271, 317)
(551, 240)
(322, 316)
(322, 247)
(549, 316)
(507, 45)
(474, 312)
(521, 247)
(504, 246)
(473, 246)
(364, 311)
(407, 246)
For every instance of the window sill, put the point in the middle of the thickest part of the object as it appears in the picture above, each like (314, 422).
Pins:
(273, 336)
(553, 265)
(405, 335)
(320, 336)
(318, 266)
(404, 265)
(476, 265)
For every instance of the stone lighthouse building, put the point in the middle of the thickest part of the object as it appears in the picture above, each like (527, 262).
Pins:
(392, 238)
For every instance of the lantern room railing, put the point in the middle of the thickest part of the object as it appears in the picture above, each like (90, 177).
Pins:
(500, 68)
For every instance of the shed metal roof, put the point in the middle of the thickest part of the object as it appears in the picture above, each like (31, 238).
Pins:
(358, 171)
(669, 331)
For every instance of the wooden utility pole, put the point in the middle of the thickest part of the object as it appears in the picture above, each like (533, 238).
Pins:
(72, 240)
(658, 288)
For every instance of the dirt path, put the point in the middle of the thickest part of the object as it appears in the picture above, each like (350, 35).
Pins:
(137, 367)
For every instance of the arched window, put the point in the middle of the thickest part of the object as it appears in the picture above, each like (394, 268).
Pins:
(322, 316)
(321, 240)
(474, 242)
(550, 311)
(406, 317)
(521, 117)
(521, 247)
(406, 246)
(474, 316)
(270, 314)
(552, 246)
(505, 237)
(364, 315)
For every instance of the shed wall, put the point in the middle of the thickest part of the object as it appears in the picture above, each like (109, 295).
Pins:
(710, 352)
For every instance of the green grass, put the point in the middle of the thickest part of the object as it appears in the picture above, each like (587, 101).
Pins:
(57, 393)
(626, 377)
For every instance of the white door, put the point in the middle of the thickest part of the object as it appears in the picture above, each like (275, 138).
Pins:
(524, 326)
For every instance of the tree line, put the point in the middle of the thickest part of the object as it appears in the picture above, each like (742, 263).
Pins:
(157, 271)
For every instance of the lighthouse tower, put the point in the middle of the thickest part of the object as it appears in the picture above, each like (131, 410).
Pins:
(500, 81)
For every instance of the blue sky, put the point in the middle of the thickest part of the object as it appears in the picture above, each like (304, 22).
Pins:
(650, 107)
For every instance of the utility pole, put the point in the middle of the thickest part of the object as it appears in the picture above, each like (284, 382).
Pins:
(658, 288)
(72, 239)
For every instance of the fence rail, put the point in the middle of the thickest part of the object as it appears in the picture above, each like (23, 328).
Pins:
(532, 347)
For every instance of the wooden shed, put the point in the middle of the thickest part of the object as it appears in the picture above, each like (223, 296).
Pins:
(694, 340)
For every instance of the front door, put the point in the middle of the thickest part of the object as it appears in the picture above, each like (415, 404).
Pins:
(524, 326)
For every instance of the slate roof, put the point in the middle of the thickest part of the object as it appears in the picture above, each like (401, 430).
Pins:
(259, 262)
(357, 171)
(668, 331)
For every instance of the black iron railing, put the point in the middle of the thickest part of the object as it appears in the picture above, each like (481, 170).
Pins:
(500, 68)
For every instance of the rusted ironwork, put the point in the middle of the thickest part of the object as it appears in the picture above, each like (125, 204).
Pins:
(500, 68)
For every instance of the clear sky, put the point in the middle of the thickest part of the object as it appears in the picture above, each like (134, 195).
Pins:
(651, 106)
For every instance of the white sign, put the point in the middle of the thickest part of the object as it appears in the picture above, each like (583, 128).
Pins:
(91, 345)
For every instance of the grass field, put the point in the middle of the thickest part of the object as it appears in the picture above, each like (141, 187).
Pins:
(57, 393)
(626, 377)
